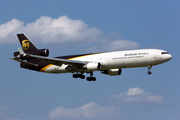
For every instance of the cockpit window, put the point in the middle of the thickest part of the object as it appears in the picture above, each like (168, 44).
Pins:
(164, 53)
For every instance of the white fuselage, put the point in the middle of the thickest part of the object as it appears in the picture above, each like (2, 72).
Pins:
(119, 59)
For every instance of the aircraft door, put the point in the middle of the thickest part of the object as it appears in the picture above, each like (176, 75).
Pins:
(156, 56)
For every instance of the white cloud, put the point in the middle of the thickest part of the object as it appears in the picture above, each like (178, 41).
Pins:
(49, 30)
(7, 113)
(7, 30)
(89, 111)
(136, 95)
(63, 30)
(4, 110)
(123, 44)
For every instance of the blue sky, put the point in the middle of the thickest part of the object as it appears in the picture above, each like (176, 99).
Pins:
(83, 26)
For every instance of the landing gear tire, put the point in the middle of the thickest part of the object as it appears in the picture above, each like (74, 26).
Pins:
(91, 79)
(82, 76)
(149, 72)
(75, 76)
(78, 76)
(88, 78)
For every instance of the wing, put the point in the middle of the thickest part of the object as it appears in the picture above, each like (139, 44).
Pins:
(54, 61)
(21, 61)
(57, 61)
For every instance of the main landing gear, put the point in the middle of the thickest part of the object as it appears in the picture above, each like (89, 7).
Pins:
(91, 78)
(149, 68)
(78, 76)
(83, 77)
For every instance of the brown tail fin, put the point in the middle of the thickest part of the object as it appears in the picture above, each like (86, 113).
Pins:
(26, 44)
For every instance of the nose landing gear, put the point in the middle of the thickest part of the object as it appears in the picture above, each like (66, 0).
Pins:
(149, 68)
(149, 72)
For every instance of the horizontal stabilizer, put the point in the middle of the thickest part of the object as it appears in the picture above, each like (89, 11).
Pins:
(21, 51)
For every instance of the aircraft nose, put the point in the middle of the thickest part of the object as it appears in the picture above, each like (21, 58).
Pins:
(168, 57)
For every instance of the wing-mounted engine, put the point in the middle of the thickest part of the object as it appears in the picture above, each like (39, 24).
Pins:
(92, 66)
(39, 52)
(112, 72)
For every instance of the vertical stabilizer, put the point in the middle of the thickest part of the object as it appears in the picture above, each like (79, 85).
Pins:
(26, 44)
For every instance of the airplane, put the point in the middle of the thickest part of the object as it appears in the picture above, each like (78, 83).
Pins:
(108, 63)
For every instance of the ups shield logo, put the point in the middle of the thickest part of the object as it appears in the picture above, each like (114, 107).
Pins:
(25, 44)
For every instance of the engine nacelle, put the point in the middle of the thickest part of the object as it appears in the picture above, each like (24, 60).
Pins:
(112, 72)
(92, 66)
(41, 52)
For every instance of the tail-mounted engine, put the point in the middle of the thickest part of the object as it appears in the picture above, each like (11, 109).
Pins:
(41, 52)
(112, 72)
